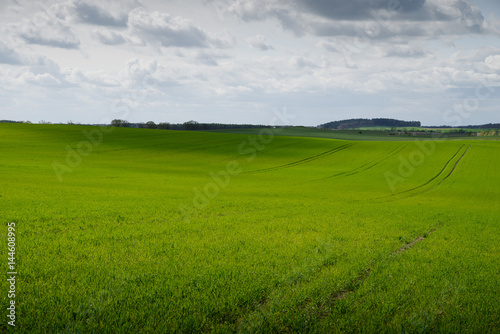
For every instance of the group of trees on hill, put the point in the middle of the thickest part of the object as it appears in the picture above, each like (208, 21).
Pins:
(190, 125)
(484, 126)
(364, 123)
(148, 125)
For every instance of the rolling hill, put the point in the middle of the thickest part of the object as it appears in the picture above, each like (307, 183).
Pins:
(136, 230)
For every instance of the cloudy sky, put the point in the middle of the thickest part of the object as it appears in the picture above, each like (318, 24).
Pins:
(237, 61)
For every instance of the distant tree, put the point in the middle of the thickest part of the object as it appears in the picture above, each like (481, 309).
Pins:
(119, 123)
(191, 125)
(164, 126)
(151, 125)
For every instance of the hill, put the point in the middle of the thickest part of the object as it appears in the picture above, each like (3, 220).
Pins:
(365, 123)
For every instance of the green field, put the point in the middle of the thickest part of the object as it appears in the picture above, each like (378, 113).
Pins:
(132, 231)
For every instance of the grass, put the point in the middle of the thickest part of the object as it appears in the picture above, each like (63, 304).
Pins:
(304, 237)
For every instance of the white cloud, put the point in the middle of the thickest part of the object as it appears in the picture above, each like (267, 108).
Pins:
(493, 62)
(141, 72)
(43, 79)
(47, 30)
(96, 78)
(172, 31)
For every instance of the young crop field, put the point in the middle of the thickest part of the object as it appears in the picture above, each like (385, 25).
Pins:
(123, 230)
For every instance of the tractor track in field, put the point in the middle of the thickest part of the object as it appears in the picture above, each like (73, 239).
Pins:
(412, 243)
(322, 309)
(435, 177)
(302, 161)
(454, 167)
(370, 164)
(356, 283)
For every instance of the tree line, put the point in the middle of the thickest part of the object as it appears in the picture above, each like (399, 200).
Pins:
(189, 126)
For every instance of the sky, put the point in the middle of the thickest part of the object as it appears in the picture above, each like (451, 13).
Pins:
(242, 61)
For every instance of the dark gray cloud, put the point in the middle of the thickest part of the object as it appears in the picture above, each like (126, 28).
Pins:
(250, 10)
(169, 31)
(411, 18)
(358, 9)
(346, 18)
(92, 14)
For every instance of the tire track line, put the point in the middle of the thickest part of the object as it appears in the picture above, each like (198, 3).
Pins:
(389, 155)
(434, 178)
(446, 177)
(323, 308)
(370, 164)
(454, 167)
(302, 161)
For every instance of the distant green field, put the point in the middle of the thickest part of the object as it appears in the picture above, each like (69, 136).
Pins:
(444, 130)
(141, 231)
(365, 134)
